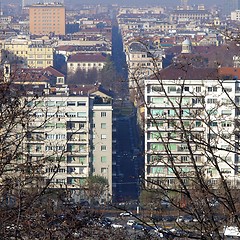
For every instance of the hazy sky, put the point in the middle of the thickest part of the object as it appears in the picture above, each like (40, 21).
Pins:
(145, 2)
(128, 2)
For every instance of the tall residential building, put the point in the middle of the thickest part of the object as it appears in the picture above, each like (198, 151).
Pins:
(47, 18)
(68, 135)
(191, 123)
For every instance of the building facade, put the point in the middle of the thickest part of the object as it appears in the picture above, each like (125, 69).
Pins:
(184, 118)
(142, 60)
(31, 53)
(73, 133)
(47, 18)
(85, 62)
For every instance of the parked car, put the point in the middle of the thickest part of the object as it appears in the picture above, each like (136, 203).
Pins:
(231, 231)
(125, 214)
(117, 225)
(130, 222)
(185, 219)
(138, 226)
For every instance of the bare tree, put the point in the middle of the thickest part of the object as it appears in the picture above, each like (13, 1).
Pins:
(33, 204)
(191, 146)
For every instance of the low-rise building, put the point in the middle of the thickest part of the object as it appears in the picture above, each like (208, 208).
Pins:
(85, 62)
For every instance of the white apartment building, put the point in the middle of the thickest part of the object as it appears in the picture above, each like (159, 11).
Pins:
(235, 15)
(74, 133)
(193, 109)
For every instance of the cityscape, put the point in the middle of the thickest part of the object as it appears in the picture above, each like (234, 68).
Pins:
(120, 120)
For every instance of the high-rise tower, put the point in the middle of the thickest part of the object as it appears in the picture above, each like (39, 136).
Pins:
(47, 18)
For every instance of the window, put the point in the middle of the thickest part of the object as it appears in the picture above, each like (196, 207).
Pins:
(212, 100)
(184, 159)
(49, 125)
(71, 103)
(71, 114)
(50, 114)
(103, 148)
(103, 114)
(103, 125)
(104, 170)
(157, 170)
(227, 89)
(50, 103)
(226, 124)
(82, 114)
(39, 114)
(81, 103)
(213, 124)
(157, 89)
(212, 89)
(60, 114)
(103, 159)
(39, 103)
(60, 103)
(50, 136)
(226, 112)
(172, 89)
(103, 136)
(60, 125)
(60, 136)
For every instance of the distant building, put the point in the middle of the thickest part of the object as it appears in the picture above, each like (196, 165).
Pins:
(187, 15)
(186, 46)
(27, 3)
(85, 62)
(31, 53)
(142, 60)
(45, 19)
(235, 15)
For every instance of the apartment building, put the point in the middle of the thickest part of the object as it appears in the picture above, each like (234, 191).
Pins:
(86, 62)
(47, 18)
(187, 114)
(142, 60)
(71, 132)
(31, 53)
(40, 55)
(235, 15)
(187, 15)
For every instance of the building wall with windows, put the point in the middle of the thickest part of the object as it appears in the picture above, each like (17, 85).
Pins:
(40, 56)
(34, 54)
(47, 18)
(62, 131)
(142, 61)
(85, 62)
(235, 15)
(182, 113)
(102, 141)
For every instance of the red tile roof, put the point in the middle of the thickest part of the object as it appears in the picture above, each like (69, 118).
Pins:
(229, 72)
(81, 57)
(179, 71)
